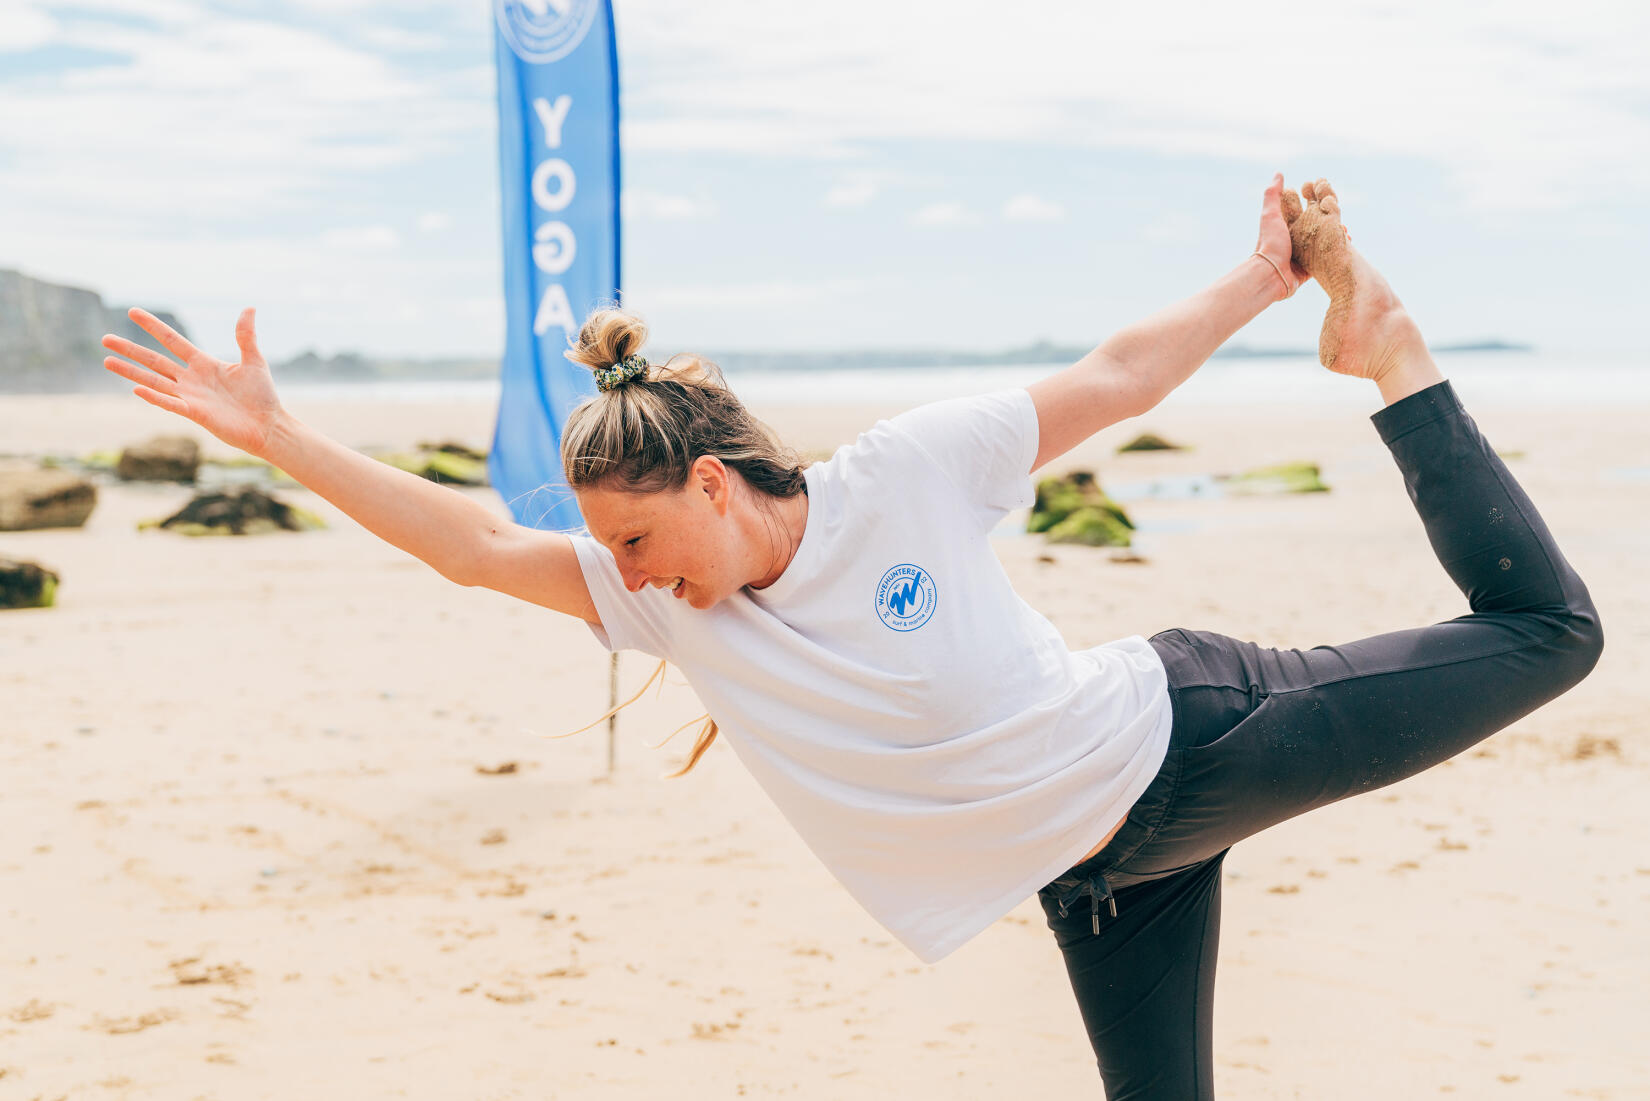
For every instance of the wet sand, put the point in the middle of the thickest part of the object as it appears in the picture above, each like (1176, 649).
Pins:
(258, 840)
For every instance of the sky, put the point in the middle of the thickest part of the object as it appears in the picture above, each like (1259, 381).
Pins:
(869, 173)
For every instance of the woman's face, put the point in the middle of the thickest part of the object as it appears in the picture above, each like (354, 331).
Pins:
(691, 533)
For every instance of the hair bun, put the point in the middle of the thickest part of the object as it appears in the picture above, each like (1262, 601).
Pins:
(608, 337)
(617, 374)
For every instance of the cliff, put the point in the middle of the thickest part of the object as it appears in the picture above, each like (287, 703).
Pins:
(49, 336)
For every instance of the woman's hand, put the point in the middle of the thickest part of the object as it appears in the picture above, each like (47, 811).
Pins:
(1274, 242)
(235, 402)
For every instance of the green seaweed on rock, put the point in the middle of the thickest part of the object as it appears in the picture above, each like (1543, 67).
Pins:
(100, 460)
(437, 466)
(1074, 509)
(1150, 441)
(26, 585)
(246, 510)
(1299, 477)
(1093, 527)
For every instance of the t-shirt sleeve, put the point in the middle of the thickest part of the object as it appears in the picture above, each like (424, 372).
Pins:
(629, 621)
(985, 445)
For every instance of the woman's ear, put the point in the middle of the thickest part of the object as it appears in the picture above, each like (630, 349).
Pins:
(712, 477)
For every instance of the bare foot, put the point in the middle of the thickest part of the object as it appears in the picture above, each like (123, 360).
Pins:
(1366, 331)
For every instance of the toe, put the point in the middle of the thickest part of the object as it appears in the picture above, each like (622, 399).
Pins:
(1326, 196)
(1308, 193)
(1291, 206)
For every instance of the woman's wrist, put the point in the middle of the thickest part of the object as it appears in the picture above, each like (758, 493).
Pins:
(1276, 274)
(280, 438)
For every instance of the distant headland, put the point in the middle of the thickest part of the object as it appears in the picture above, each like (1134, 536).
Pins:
(1039, 352)
(49, 337)
(351, 367)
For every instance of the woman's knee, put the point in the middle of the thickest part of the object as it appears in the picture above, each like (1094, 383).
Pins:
(1592, 637)
(1579, 646)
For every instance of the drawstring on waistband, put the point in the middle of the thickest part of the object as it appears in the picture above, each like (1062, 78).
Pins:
(1072, 888)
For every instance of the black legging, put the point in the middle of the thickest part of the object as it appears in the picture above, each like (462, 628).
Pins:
(1262, 735)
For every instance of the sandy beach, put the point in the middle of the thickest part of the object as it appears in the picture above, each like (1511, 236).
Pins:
(260, 840)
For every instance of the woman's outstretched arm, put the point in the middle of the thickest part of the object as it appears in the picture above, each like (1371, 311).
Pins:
(1137, 367)
(457, 536)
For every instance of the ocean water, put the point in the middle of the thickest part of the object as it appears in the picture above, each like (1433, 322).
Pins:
(1484, 379)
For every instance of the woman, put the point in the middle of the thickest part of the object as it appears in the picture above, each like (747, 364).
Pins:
(929, 734)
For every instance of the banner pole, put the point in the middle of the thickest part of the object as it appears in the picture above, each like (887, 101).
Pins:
(559, 176)
(612, 702)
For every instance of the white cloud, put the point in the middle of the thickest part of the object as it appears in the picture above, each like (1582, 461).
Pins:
(164, 178)
(402, 8)
(215, 116)
(683, 132)
(400, 39)
(355, 238)
(173, 12)
(434, 221)
(1033, 208)
(658, 207)
(739, 296)
(1516, 101)
(210, 161)
(489, 308)
(948, 213)
(852, 194)
(1174, 228)
(24, 27)
(308, 293)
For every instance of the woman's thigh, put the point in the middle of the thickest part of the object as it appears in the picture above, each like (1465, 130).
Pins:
(1263, 735)
(1145, 983)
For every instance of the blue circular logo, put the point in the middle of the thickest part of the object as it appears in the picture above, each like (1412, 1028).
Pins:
(906, 596)
(541, 31)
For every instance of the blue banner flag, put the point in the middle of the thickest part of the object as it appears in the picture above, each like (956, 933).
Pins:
(558, 139)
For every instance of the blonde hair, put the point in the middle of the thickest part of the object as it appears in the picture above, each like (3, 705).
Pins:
(643, 436)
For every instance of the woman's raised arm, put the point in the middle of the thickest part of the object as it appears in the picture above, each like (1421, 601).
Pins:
(458, 537)
(1136, 368)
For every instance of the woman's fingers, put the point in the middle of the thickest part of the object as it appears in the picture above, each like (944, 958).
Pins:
(146, 356)
(165, 401)
(247, 338)
(138, 374)
(164, 333)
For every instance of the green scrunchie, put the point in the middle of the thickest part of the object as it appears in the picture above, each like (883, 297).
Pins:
(619, 373)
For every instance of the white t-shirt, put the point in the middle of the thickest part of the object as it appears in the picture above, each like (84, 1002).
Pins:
(926, 731)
